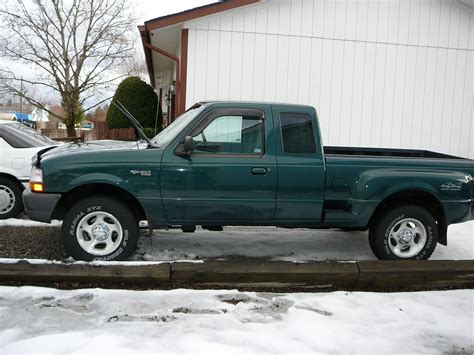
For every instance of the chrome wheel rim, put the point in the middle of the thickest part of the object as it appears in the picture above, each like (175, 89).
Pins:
(7, 199)
(99, 233)
(407, 238)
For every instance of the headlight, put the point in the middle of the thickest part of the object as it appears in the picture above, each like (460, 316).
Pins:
(36, 180)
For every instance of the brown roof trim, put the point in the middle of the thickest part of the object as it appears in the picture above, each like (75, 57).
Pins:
(197, 12)
(184, 70)
(148, 60)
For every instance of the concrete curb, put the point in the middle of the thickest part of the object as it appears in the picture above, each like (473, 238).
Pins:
(250, 274)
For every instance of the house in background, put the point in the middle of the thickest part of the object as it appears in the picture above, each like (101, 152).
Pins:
(380, 73)
(7, 116)
(40, 117)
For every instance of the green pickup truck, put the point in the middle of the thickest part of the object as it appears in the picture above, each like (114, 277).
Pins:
(247, 164)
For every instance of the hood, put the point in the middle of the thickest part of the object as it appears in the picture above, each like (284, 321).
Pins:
(91, 146)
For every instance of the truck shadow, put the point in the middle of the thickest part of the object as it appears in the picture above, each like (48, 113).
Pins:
(267, 243)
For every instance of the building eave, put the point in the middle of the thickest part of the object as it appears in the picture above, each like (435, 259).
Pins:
(145, 37)
(195, 13)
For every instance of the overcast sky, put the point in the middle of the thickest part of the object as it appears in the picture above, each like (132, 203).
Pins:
(147, 10)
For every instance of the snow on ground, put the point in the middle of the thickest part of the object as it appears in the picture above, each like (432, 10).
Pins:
(285, 244)
(223, 321)
(26, 222)
(275, 243)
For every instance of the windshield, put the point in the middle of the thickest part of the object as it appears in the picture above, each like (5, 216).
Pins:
(38, 136)
(170, 132)
(20, 136)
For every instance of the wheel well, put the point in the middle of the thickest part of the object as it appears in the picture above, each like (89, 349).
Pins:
(78, 193)
(14, 179)
(420, 198)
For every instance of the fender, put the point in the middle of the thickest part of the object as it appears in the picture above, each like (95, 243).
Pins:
(151, 205)
(99, 178)
(10, 174)
(449, 188)
(377, 184)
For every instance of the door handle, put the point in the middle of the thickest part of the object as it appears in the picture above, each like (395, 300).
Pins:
(258, 171)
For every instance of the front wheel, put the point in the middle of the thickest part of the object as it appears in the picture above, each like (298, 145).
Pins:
(405, 232)
(100, 228)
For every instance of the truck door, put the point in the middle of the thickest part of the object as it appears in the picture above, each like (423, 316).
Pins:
(230, 177)
(301, 169)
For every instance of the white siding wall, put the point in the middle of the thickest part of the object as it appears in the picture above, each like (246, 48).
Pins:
(380, 73)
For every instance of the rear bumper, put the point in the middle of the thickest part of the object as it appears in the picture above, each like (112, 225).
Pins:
(40, 206)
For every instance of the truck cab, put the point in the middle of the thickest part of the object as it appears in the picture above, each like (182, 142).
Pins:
(236, 169)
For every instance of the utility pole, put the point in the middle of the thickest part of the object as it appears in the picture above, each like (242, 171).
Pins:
(21, 99)
(158, 93)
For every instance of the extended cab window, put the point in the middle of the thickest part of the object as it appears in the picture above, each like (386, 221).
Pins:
(231, 134)
(297, 133)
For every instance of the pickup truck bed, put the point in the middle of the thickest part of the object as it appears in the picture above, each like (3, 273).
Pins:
(357, 178)
(387, 152)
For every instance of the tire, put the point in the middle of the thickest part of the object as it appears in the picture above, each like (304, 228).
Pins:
(100, 228)
(11, 204)
(404, 233)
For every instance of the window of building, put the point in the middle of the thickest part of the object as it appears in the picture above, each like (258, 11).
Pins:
(297, 133)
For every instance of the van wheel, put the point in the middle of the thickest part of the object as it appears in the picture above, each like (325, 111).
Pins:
(405, 232)
(100, 228)
(11, 204)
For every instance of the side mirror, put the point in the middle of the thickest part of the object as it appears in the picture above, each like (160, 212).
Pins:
(189, 145)
(184, 149)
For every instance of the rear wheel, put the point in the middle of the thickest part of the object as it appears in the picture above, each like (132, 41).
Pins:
(11, 204)
(405, 232)
(100, 228)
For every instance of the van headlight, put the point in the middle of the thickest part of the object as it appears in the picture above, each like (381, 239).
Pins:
(36, 180)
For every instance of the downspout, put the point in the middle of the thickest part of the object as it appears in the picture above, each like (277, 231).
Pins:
(176, 60)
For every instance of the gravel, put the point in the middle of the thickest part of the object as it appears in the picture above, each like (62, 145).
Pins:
(31, 242)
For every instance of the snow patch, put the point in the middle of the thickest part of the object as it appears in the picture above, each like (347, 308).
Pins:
(222, 321)
(295, 245)
(25, 222)
(93, 263)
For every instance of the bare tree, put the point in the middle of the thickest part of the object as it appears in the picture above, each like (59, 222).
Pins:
(135, 66)
(73, 46)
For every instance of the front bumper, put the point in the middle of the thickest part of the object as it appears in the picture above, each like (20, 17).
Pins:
(39, 206)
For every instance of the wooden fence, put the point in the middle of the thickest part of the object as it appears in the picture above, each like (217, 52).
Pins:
(100, 131)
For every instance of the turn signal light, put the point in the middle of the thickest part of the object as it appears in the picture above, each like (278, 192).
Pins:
(36, 187)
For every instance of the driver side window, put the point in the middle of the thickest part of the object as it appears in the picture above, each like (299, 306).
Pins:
(231, 134)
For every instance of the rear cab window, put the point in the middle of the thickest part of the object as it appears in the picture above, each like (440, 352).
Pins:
(297, 133)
